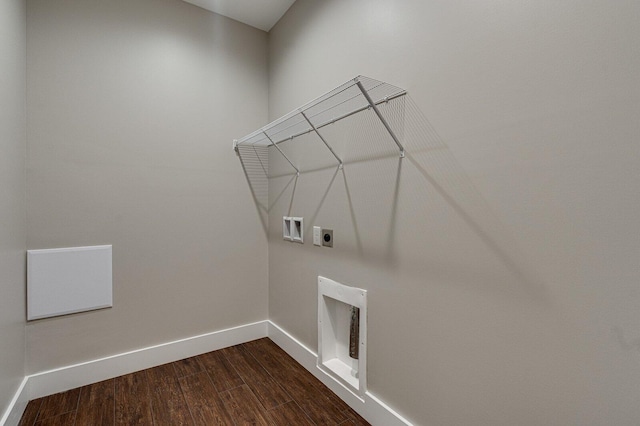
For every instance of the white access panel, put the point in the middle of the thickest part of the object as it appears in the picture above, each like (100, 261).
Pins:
(68, 280)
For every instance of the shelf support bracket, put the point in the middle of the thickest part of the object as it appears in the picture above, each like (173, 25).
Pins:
(372, 104)
(321, 138)
(280, 151)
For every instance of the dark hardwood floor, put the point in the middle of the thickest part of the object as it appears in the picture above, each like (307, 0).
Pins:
(255, 383)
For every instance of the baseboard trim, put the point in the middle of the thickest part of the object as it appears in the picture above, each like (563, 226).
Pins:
(373, 409)
(16, 407)
(69, 377)
(73, 376)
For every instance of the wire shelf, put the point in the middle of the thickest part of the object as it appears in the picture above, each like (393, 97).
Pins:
(352, 97)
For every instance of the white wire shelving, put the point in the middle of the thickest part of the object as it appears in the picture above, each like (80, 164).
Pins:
(356, 95)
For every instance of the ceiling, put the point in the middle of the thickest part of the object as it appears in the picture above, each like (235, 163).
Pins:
(262, 14)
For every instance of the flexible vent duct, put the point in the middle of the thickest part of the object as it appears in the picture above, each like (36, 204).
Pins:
(354, 333)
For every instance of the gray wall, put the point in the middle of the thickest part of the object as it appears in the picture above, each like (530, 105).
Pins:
(12, 196)
(132, 109)
(501, 256)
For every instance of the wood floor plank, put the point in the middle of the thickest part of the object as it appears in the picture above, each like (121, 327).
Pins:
(162, 371)
(278, 363)
(281, 366)
(290, 414)
(206, 406)
(313, 402)
(133, 400)
(59, 403)
(327, 393)
(187, 367)
(254, 383)
(97, 404)
(266, 356)
(66, 419)
(30, 414)
(320, 410)
(222, 373)
(168, 405)
(244, 407)
(355, 418)
(284, 366)
(266, 389)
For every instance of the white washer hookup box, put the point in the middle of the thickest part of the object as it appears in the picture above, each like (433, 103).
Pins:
(64, 281)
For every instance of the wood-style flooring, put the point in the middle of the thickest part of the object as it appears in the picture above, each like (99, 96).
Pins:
(255, 383)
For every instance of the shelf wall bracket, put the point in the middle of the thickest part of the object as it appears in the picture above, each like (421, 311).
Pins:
(322, 139)
(283, 154)
(372, 104)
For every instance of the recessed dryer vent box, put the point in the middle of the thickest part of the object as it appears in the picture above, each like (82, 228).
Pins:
(336, 303)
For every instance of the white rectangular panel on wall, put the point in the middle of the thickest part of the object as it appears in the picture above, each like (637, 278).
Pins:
(335, 301)
(68, 280)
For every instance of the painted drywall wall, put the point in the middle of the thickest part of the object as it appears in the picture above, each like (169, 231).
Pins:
(501, 255)
(13, 145)
(133, 106)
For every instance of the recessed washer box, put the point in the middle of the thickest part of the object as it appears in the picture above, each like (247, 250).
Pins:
(335, 301)
(286, 228)
(297, 229)
(293, 229)
(64, 281)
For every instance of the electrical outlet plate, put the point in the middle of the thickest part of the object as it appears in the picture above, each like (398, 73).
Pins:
(317, 236)
(327, 237)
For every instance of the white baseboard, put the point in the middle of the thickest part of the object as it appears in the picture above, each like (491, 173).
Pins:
(374, 410)
(73, 376)
(17, 405)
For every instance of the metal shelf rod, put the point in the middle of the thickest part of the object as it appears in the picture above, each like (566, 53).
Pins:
(349, 114)
(321, 138)
(286, 158)
(379, 114)
(312, 104)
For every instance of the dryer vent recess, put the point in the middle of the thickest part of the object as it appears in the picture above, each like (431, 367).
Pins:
(342, 334)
